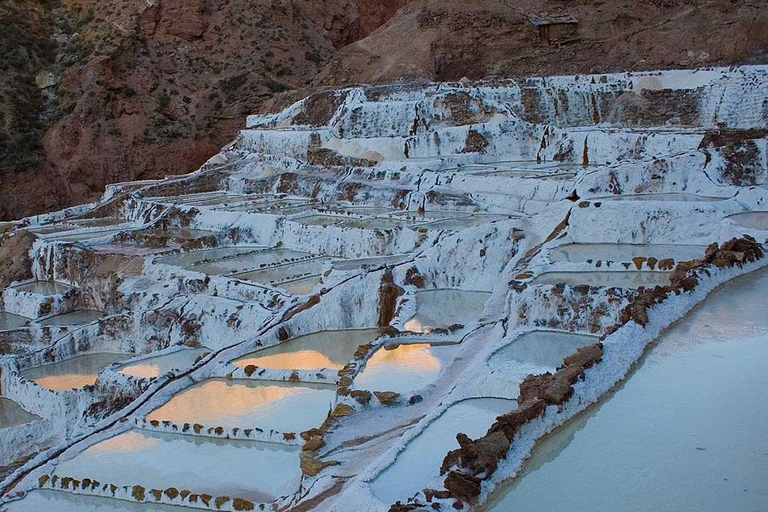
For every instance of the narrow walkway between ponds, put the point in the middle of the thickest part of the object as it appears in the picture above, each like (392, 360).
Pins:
(687, 431)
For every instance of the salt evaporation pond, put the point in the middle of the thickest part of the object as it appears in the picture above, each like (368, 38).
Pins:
(251, 470)
(684, 432)
(580, 253)
(664, 196)
(443, 308)
(9, 321)
(418, 466)
(12, 414)
(462, 223)
(72, 373)
(405, 368)
(358, 263)
(543, 349)
(279, 406)
(374, 223)
(44, 288)
(59, 501)
(751, 220)
(82, 235)
(249, 261)
(619, 279)
(190, 259)
(100, 222)
(320, 220)
(303, 286)
(326, 349)
(160, 365)
(78, 317)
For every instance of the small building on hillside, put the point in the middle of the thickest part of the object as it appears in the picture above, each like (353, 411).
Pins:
(555, 28)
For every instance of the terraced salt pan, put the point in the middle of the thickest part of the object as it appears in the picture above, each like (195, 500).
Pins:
(303, 286)
(419, 464)
(72, 373)
(160, 365)
(100, 223)
(405, 368)
(327, 349)
(12, 414)
(619, 279)
(179, 233)
(359, 263)
(752, 220)
(684, 432)
(364, 210)
(81, 236)
(249, 261)
(9, 321)
(320, 220)
(374, 223)
(251, 470)
(462, 223)
(50, 229)
(189, 259)
(668, 196)
(288, 272)
(279, 406)
(580, 253)
(44, 288)
(57, 501)
(544, 350)
(78, 317)
(443, 308)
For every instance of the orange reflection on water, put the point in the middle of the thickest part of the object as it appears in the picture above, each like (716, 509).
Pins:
(66, 382)
(414, 325)
(415, 357)
(131, 441)
(215, 400)
(142, 371)
(299, 360)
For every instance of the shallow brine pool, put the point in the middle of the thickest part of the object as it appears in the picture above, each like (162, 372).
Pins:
(752, 220)
(445, 307)
(684, 432)
(44, 288)
(190, 259)
(418, 466)
(59, 501)
(296, 277)
(249, 261)
(78, 317)
(544, 350)
(9, 321)
(619, 279)
(160, 365)
(327, 349)
(405, 368)
(72, 373)
(461, 223)
(665, 196)
(581, 253)
(12, 414)
(245, 469)
(280, 406)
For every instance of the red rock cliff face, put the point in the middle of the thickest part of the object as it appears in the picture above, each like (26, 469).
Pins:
(148, 89)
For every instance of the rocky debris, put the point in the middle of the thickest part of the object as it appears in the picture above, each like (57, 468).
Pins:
(386, 397)
(362, 397)
(15, 263)
(311, 465)
(389, 292)
(414, 278)
(743, 166)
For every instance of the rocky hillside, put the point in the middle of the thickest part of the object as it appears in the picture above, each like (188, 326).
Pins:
(94, 92)
(452, 39)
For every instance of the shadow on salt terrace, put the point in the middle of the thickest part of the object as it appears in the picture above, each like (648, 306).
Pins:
(12, 322)
(12, 414)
